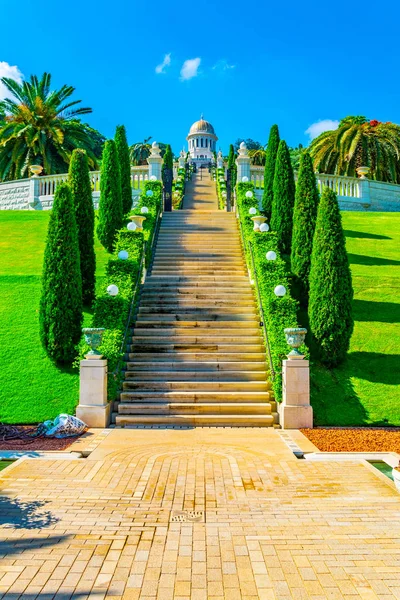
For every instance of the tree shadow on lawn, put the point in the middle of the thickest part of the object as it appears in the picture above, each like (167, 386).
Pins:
(364, 235)
(380, 312)
(375, 367)
(360, 259)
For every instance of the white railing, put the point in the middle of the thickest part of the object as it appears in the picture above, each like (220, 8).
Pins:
(343, 186)
(257, 176)
(49, 183)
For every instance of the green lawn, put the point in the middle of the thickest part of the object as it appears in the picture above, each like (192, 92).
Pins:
(32, 387)
(366, 389)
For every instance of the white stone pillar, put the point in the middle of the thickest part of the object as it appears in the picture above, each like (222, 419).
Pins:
(155, 162)
(364, 193)
(93, 408)
(243, 163)
(182, 160)
(220, 160)
(295, 411)
(34, 186)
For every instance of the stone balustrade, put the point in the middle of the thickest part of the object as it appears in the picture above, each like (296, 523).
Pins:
(357, 194)
(37, 193)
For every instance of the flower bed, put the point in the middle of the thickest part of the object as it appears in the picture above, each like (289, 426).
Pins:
(360, 439)
(281, 312)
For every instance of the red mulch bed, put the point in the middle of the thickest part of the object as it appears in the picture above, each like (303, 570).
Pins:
(35, 444)
(359, 439)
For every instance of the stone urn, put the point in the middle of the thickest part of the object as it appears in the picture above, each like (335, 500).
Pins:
(93, 337)
(295, 337)
(36, 170)
(258, 220)
(362, 172)
(396, 478)
(138, 220)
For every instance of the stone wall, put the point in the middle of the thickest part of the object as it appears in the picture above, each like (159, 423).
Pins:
(375, 196)
(20, 195)
(15, 195)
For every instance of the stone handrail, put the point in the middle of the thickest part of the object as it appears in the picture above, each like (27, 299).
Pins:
(48, 183)
(343, 186)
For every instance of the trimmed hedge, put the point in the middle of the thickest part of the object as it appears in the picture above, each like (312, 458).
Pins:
(112, 312)
(221, 187)
(279, 313)
(178, 188)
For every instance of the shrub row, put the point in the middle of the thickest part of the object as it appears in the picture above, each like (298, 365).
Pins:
(278, 312)
(221, 188)
(112, 312)
(179, 188)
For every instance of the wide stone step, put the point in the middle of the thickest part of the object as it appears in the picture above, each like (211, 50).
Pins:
(198, 293)
(193, 376)
(220, 280)
(202, 311)
(197, 347)
(224, 283)
(204, 366)
(197, 420)
(187, 340)
(167, 333)
(166, 271)
(196, 300)
(214, 397)
(187, 408)
(198, 357)
(170, 253)
(198, 386)
(155, 328)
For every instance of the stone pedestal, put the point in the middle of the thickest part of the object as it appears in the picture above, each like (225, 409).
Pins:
(243, 163)
(93, 407)
(155, 162)
(295, 411)
(364, 191)
(34, 185)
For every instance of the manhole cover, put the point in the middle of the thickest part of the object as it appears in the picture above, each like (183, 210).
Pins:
(187, 516)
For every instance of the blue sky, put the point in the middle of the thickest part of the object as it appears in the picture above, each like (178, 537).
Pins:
(253, 64)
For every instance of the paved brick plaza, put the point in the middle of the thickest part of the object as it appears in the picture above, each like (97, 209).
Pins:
(197, 514)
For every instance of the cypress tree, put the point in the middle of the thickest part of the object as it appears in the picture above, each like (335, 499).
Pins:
(269, 170)
(168, 160)
(110, 207)
(304, 217)
(125, 168)
(331, 291)
(232, 165)
(60, 314)
(283, 199)
(79, 181)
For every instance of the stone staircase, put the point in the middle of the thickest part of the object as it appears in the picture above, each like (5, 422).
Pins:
(197, 356)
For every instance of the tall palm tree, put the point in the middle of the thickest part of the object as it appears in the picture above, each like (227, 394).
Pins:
(358, 142)
(42, 126)
(140, 152)
(257, 156)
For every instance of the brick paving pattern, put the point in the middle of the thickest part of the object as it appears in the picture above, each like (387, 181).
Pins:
(197, 514)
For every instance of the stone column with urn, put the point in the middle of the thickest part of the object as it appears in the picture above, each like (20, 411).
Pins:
(93, 408)
(182, 159)
(364, 186)
(295, 411)
(243, 163)
(155, 162)
(220, 160)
